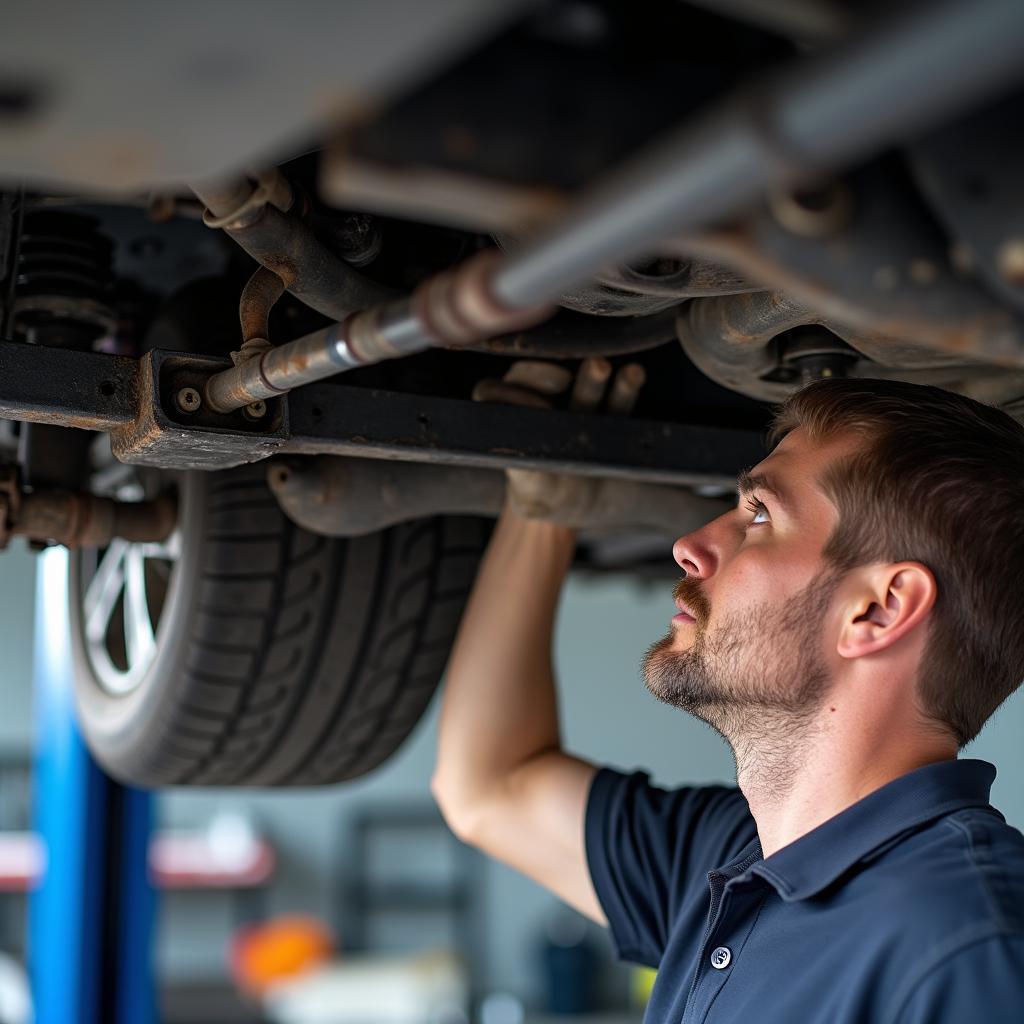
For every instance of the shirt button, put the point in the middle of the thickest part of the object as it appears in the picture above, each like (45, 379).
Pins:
(721, 958)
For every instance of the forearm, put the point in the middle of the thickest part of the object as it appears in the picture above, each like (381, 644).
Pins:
(499, 709)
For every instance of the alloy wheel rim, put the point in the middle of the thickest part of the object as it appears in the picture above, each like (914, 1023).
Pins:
(121, 611)
(124, 588)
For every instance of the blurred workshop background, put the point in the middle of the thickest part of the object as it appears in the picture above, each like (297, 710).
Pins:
(358, 894)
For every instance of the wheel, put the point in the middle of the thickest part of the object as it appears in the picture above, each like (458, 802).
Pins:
(247, 651)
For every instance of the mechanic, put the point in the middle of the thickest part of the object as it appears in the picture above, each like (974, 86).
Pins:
(847, 629)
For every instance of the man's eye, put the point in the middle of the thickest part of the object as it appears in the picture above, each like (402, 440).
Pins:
(758, 509)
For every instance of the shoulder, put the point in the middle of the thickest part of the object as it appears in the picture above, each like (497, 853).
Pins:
(935, 920)
(995, 857)
(649, 851)
(619, 801)
(964, 870)
(950, 917)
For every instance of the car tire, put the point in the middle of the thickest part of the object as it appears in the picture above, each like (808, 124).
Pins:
(282, 657)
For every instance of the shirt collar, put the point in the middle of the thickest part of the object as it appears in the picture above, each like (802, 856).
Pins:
(807, 865)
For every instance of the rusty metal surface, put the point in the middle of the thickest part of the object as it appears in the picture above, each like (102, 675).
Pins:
(458, 307)
(454, 307)
(351, 497)
(743, 343)
(161, 435)
(84, 520)
(891, 274)
(239, 386)
(147, 428)
(286, 246)
(348, 497)
(76, 518)
(728, 339)
(259, 296)
(68, 388)
(677, 279)
(344, 420)
(650, 286)
(332, 418)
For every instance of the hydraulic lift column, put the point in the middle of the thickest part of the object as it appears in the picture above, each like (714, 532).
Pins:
(91, 916)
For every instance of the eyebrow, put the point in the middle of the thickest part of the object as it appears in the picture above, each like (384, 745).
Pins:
(747, 482)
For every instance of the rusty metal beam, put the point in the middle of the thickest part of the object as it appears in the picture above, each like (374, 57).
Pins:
(89, 390)
(337, 419)
(135, 402)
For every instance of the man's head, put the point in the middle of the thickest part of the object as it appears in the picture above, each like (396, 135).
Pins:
(885, 531)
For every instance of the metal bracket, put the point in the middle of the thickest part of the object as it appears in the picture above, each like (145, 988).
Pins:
(161, 434)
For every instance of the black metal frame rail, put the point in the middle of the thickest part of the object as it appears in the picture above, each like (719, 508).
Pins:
(133, 400)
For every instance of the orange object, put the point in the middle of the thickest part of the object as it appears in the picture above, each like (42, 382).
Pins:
(283, 948)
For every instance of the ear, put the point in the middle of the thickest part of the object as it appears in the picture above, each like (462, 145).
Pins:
(886, 604)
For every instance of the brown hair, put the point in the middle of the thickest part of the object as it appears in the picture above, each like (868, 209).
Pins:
(939, 480)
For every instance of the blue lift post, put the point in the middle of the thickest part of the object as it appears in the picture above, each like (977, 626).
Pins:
(91, 916)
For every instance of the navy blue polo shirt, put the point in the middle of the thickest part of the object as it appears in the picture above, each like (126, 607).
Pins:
(907, 907)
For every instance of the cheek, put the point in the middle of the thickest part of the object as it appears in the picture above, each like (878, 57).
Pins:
(758, 576)
(748, 580)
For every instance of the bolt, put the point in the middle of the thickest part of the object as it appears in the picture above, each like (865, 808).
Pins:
(256, 410)
(819, 211)
(359, 239)
(188, 400)
(278, 476)
(1011, 261)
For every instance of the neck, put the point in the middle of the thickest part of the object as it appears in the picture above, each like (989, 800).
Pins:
(820, 769)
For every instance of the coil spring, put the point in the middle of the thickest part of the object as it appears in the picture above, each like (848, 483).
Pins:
(63, 279)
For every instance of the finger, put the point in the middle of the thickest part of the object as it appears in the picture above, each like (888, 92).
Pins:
(625, 389)
(591, 379)
(547, 378)
(500, 391)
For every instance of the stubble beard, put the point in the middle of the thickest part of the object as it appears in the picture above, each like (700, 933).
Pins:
(758, 678)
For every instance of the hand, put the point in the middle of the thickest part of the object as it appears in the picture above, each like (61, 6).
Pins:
(560, 497)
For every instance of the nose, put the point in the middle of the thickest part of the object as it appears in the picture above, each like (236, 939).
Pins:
(699, 553)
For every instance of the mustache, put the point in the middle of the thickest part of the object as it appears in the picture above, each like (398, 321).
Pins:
(688, 591)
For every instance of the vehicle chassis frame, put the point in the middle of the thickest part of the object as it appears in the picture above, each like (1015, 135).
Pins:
(133, 400)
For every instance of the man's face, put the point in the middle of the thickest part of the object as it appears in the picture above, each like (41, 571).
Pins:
(749, 648)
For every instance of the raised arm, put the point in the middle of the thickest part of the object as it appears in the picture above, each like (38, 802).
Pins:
(502, 780)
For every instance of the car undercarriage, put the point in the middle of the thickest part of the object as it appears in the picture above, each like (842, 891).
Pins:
(282, 302)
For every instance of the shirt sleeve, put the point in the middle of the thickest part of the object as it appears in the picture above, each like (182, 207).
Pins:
(983, 982)
(649, 851)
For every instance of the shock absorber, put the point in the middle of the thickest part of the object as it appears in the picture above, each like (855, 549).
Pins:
(62, 278)
(60, 285)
